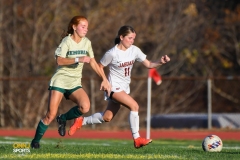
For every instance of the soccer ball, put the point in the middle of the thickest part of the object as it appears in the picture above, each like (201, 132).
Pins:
(212, 143)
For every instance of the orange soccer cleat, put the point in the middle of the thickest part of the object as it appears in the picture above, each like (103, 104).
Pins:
(76, 125)
(140, 142)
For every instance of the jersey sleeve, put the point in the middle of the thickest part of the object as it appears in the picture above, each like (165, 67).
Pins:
(62, 49)
(140, 56)
(106, 59)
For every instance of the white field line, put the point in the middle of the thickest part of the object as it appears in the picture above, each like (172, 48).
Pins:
(11, 140)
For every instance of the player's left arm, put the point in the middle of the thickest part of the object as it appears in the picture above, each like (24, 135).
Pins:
(69, 61)
(105, 85)
(150, 64)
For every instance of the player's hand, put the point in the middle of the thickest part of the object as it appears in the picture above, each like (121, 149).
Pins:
(84, 59)
(106, 86)
(164, 59)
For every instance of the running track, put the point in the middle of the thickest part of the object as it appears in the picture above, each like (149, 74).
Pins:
(126, 134)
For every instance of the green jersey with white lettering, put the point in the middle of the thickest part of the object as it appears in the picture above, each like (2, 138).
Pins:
(69, 76)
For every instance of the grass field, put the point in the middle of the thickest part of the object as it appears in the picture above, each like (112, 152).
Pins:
(115, 149)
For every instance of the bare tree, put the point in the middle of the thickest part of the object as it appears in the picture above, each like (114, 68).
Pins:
(2, 121)
(200, 44)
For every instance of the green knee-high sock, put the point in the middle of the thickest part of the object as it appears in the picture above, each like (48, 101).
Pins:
(71, 114)
(41, 129)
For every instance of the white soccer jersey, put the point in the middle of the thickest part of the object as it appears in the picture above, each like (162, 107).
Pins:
(120, 65)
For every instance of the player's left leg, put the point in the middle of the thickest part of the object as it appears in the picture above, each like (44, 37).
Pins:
(126, 100)
(79, 97)
(96, 118)
(131, 104)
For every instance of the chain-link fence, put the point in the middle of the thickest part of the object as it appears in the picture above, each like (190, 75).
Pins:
(23, 101)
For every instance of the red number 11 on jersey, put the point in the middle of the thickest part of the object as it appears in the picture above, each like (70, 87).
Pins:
(127, 71)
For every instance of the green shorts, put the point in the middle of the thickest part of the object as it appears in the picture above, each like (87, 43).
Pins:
(66, 92)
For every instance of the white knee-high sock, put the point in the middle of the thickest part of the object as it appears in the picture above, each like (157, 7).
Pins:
(134, 124)
(96, 118)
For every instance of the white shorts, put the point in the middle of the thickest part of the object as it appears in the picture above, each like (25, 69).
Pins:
(118, 87)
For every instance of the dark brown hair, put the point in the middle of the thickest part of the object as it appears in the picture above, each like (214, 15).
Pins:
(123, 31)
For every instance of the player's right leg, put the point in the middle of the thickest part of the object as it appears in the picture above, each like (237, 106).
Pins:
(55, 98)
(96, 118)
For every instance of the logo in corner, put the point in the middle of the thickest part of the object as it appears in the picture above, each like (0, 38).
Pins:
(21, 147)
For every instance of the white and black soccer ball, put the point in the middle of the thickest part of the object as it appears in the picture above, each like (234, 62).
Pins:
(212, 143)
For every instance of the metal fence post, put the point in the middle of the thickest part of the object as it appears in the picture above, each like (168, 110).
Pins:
(92, 86)
(209, 82)
(149, 107)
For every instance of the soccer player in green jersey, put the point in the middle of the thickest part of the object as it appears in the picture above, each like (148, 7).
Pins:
(74, 50)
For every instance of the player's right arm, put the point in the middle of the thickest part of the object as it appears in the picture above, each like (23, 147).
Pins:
(61, 55)
(108, 89)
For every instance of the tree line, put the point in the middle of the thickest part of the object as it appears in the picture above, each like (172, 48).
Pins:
(202, 38)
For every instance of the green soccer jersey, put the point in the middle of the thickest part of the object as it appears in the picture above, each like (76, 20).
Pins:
(69, 76)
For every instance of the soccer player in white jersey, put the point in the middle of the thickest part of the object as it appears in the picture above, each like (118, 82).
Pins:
(74, 50)
(120, 61)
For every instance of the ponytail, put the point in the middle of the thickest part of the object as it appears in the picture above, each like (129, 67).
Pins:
(117, 40)
(64, 34)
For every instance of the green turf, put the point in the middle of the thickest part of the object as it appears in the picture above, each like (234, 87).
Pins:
(116, 149)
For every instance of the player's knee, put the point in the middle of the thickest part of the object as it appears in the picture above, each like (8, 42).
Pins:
(84, 108)
(49, 118)
(107, 119)
(135, 107)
